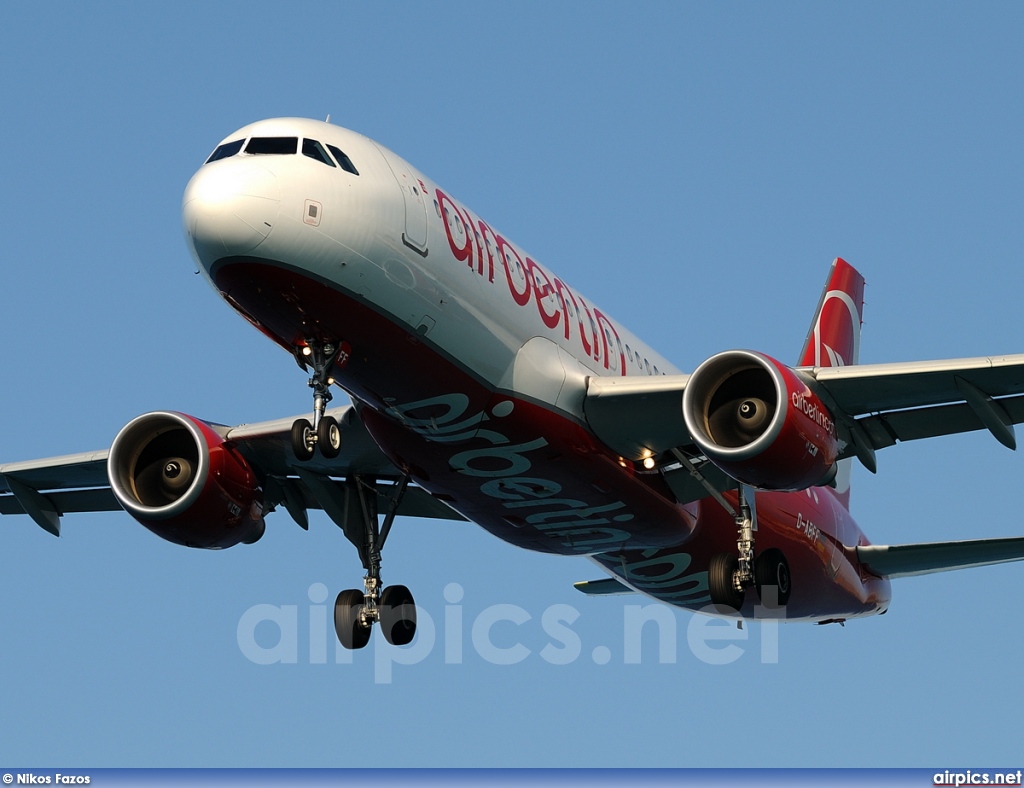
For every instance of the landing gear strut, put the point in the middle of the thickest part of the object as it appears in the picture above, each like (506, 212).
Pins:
(355, 510)
(324, 431)
(729, 575)
(393, 607)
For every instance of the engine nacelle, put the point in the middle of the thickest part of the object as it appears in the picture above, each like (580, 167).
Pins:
(757, 421)
(180, 479)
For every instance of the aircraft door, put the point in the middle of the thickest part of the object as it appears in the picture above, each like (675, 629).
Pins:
(415, 235)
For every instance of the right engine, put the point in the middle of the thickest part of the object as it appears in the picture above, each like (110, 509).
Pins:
(184, 482)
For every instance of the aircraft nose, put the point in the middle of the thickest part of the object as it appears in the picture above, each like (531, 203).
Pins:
(229, 208)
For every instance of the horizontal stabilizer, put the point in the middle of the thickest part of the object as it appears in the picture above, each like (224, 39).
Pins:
(603, 587)
(906, 560)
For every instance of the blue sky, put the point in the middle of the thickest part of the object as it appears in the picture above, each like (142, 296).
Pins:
(691, 168)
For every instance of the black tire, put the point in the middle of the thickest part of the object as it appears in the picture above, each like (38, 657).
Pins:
(351, 631)
(772, 569)
(328, 437)
(397, 615)
(720, 574)
(301, 430)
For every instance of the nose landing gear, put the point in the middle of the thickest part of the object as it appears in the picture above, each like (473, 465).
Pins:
(324, 432)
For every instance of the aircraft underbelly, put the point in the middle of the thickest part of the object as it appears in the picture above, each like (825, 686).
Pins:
(827, 585)
(532, 475)
(528, 471)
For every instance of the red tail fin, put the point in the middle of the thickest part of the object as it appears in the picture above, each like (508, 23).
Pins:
(834, 338)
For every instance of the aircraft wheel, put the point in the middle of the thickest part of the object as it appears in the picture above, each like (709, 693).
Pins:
(352, 632)
(328, 437)
(397, 615)
(772, 569)
(720, 573)
(302, 431)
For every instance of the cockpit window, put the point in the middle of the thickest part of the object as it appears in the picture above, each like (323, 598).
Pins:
(226, 150)
(272, 145)
(315, 150)
(343, 160)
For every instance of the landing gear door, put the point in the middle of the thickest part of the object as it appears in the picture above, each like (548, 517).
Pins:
(837, 544)
(415, 235)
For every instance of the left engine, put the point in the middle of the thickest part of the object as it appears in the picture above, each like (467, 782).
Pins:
(184, 482)
(759, 422)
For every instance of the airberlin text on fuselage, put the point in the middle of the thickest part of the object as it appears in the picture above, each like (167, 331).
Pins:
(473, 242)
(576, 525)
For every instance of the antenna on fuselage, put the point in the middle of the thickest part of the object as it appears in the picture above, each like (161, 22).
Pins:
(328, 118)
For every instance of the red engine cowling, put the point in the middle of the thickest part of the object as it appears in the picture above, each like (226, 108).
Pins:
(180, 479)
(757, 421)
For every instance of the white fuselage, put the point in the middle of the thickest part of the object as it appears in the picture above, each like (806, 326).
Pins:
(394, 237)
(469, 361)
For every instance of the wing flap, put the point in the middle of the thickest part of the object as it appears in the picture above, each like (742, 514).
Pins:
(885, 429)
(870, 388)
(88, 469)
(908, 560)
(68, 501)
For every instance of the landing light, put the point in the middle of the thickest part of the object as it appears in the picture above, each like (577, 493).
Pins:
(306, 351)
(649, 463)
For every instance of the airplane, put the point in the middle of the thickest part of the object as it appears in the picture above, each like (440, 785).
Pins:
(485, 388)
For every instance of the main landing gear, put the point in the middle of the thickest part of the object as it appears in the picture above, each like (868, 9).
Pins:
(354, 508)
(730, 574)
(393, 607)
(324, 432)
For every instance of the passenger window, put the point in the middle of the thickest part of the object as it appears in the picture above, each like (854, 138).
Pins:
(343, 160)
(315, 150)
(272, 146)
(225, 150)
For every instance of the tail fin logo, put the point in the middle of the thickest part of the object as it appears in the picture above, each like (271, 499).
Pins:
(836, 338)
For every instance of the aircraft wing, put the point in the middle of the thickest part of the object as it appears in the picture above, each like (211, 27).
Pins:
(907, 560)
(875, 405)
(49, 488)
(635, 414)
(900, 402)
